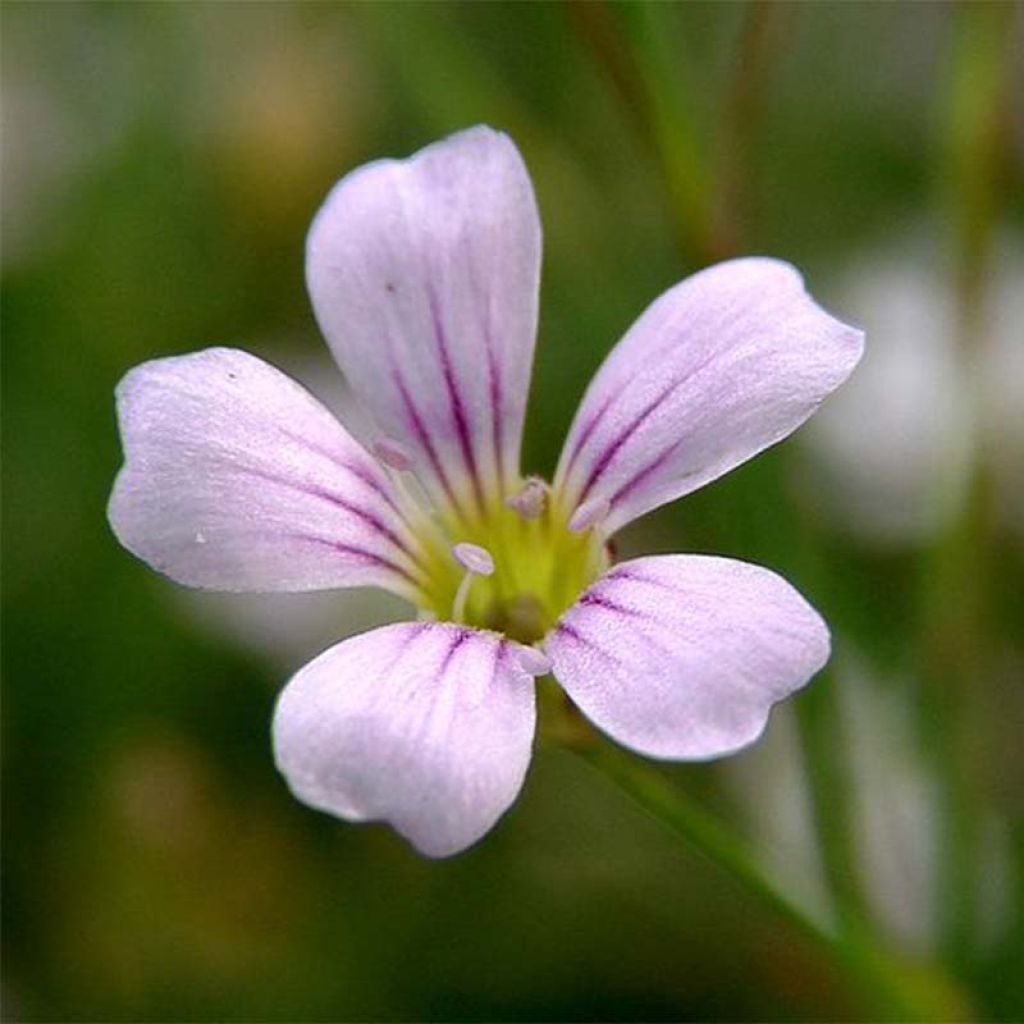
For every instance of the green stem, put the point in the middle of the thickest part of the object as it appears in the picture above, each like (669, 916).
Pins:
(742, 111)
(955, 573)
(899, 989)
(823, 745)
(638, 46)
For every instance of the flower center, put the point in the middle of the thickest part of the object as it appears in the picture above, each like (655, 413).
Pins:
(515, 568)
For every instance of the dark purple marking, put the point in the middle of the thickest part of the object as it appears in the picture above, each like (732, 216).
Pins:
(638, 478)
(460, 638)
(483, 299)
(577, 637)
(602, 463)
(414, 633)
(361, 553)
(500, 650)
(359, 472)
(423, 436)
(591, 426)
(604, 459)
(593, 599)
(365, 515)
(454, 397)
(497, 399)
(624, 572)
(566, 630)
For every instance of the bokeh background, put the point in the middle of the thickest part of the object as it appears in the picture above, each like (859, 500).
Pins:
(161, 163)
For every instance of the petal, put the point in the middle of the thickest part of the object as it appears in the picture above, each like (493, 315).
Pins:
(424, 276)
(236, 478)
(427, 726)
(682, 656)
(720, 367)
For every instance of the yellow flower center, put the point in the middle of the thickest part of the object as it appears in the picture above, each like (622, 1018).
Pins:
(540, 568)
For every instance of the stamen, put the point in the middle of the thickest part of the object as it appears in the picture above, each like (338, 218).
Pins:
(393, 453)
(532, 660)
(474, 558)
(589, 514)
(530, 501)
(477, 561)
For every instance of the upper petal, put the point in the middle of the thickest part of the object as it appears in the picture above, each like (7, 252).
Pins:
(424, 277)
(236, 478)
(682, 656)
(720, 367)
(427, 726)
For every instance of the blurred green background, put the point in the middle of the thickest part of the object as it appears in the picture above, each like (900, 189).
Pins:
(161, 163)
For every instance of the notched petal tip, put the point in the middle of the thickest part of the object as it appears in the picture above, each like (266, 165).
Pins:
(427, 727)
(681, 657)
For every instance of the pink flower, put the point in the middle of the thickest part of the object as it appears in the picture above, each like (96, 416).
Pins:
(424, 277)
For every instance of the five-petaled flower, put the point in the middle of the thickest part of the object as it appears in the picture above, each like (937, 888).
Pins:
(424, 277)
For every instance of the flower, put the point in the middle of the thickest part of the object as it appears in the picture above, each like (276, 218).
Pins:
(424, 278)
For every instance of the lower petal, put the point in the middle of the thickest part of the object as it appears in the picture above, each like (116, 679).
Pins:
(427, 726)
(682, 656)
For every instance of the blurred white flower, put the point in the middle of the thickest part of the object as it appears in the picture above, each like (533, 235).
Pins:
(894, 806)
(896, 445)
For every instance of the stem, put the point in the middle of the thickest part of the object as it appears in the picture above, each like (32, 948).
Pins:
(757, 47)
(956, 573)
(823, 744)
(900, 989)
(638, 47)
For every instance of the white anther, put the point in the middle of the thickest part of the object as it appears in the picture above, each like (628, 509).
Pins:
(533, 661)
(530, 501)
(392, 453)
(589, 514)
(476, 559)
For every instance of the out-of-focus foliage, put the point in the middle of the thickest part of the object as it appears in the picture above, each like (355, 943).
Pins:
(161, 163)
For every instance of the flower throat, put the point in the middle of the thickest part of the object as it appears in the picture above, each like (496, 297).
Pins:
(514, 567)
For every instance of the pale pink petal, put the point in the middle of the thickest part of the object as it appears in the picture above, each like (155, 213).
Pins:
(720, 367)
(427, 726)
(682, 656)
(236, 478)
(424, 277)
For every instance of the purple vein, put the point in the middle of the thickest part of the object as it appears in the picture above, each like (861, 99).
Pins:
(563, 629)
(627, 572)
(361, 553)
(604, 460)
(314, 491)
(454, 396)
(419, 428)
(593, 599)
(499, 658)
(412, 632)
(460, 638)
(638, 478)
(359, 472)
(591, 426)
(495, 391)
(484, 300)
